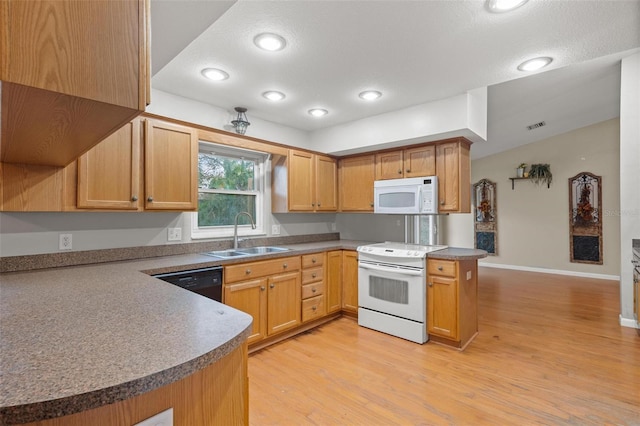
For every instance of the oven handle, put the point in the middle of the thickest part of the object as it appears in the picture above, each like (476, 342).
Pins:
(401, 271)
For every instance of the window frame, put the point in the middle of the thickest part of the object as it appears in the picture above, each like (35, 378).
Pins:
(260, 182)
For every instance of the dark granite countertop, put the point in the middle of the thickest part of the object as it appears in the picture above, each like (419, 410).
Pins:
(75, 338)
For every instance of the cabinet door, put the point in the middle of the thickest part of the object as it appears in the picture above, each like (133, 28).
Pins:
(442, 301)
(389, 165)
(283, 300)
(356, 183)
(250, 297)
(171, 166)
(326, 183)
(109, 173)
(420, 161)
(333, 280)
(350, 281)
(454, 179)
(301, 182)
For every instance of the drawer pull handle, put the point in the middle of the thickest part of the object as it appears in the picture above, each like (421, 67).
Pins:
(248, 271)
(272, 286)
(313, 260)
(313, 290)
(314, 308)
(284, 265)
(313, 275)
(440, 268)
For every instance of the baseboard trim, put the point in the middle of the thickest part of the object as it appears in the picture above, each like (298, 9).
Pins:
(628, 322)
(551, 271)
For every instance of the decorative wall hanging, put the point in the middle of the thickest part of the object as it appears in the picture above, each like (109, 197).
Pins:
(585, 221)
(486, 216)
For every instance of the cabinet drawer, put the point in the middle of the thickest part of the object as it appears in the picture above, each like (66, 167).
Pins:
(312, 275)
(311, 260)
(445, 268)
(313, 308)
(245, 271)
(311, 290)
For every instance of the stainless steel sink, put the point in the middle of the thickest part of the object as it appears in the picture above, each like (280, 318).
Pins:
(262, 250)
(245, 252)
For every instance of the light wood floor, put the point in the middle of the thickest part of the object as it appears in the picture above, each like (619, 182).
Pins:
(550, 351)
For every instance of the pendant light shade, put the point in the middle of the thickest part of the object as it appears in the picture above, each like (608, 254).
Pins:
(241, 123)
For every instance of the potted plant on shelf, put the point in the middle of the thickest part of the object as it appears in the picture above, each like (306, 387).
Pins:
(520, 170)
(541, 173)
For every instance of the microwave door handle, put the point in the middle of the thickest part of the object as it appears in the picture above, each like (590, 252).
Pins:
(401, 271)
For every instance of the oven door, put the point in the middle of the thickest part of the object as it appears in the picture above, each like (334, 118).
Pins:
(392, 289)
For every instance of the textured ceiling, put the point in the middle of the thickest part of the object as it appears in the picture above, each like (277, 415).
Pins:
(412, 51)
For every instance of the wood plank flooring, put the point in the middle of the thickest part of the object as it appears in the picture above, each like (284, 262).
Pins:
(550, 351)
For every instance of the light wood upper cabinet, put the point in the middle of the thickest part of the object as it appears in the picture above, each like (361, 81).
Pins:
(410, 162)
(304, 182)
(65, 85)
(31, 188)
(171, 166)
(454, 177)
(356, 177)
(109, 173)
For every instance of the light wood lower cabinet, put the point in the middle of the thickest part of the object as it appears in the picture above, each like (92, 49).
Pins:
(313, 287)
(269, 291)
(333, 281)
(452, 301)
(350, 281)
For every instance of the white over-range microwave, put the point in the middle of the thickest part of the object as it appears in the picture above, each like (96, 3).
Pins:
(406, 196)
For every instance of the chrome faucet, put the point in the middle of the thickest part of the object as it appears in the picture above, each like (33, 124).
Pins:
(235, 228)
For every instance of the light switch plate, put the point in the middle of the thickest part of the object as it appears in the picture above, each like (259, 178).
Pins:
(164, 418)
(275, 229)
(174, 234)
(468, 275)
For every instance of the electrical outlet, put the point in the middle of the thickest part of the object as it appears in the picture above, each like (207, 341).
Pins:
(398, 222)
(334, 227)
(164, 418)
(275, 229)
(65, 242)
(174, 234)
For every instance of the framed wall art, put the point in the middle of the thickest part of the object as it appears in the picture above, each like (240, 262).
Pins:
(486, 216)
(585, 220)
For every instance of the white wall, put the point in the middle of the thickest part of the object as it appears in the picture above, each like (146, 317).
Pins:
(533, 221)
(629, 179)
(463, 115)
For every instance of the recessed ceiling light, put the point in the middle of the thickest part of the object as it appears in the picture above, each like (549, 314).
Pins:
(318, 112)
(370, 95)
(535, 64)
(215, 74)
(272, 95)
(499, 6)
(271, 42)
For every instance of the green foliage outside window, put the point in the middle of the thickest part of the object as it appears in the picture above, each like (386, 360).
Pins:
(226, 188)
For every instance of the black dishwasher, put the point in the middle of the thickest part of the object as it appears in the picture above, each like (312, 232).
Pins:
(204, 281)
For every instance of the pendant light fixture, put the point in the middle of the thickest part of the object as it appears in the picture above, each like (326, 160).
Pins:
(241, 123)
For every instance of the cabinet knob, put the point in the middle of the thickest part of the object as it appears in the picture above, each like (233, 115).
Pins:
(314, 275)
(262, 288)
(150, 199)
(134, 198)
(248, 271)
(371, 204)
(313, 260)
(442, 203)
(313, 204)
(399, 171)
(430, 284)
(272, 286)
(439, 268)
(408, 170)
(319, 205)
(313, 290)
(314, 308)
(284, 265)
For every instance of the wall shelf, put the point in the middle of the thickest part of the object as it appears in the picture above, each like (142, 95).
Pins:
(513, 179)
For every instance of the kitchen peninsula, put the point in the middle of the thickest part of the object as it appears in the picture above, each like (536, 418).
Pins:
(89, 342)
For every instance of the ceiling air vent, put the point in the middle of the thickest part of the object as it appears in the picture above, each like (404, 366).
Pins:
(535, 126)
